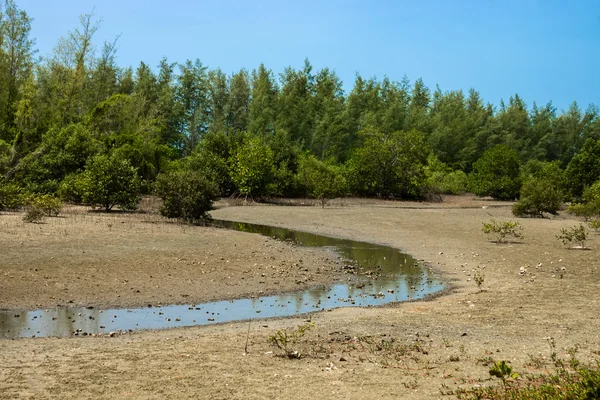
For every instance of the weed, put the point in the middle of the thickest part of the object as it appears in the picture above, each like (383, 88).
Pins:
(479, 278)
(503, 229)
(287, 341)
(595, 224)
(34, 214)
(503, 371)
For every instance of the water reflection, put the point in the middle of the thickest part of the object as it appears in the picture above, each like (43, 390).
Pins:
(389, 276)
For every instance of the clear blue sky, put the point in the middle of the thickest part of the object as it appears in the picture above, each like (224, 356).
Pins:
(543, 50)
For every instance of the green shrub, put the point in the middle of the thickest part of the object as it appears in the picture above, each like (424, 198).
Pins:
(12, 196)
(502, 229)
(577, 234)
(287, 341)
(321, 180)
(109, 180)
(187, 195)
(590, 202)
(71, 188)
(538, 196)
(49, 205)
(497, 174)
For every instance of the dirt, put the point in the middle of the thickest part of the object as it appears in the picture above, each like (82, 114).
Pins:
(536, 293)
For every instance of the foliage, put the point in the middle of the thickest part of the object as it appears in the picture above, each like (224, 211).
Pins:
(584, 168)
(388, 165)
(321, 180)
(497, 174)
(502, 371)
(71, 188)
(577, 234)
(440, 176)
(12, 196)
(49, 205)
(590, 203)
(582, 383)
(186, 194)
(108, 181)
(34, 214)
(595, 224)
(287, 341)
(538, 196)
(502, 229)
(479, 278)
(252, 168)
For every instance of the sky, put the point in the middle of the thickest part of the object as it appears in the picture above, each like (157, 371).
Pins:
(543, 50)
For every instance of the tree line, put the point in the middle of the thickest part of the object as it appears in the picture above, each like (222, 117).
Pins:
(256, 133)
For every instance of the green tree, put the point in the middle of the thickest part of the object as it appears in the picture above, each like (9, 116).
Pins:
(252, 168)
(388, 165)
(263, 107)
(538, 196)
(108, 181)
(321, 180)
(187, 195)
(584, 168)
(497, 174)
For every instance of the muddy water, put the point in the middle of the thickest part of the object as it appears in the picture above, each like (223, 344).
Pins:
(387, 276)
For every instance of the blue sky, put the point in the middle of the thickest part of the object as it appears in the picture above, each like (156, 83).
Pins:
(543, 50)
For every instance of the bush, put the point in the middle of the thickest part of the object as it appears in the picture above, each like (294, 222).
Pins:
(187, 195)
(584, 168)
(577, 234)
(497, 174)
(502, 229)
(12, 196)
(34, 214)
(252, 168)
(590, 205)
(49, 205)
(71, 188)
(321, 180)
(442, 179)
(538, 196)
(109, 180)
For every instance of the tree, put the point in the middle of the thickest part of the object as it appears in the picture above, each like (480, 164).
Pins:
(186, 194)
(584, 168)
(263, 107)
(108, 181)
(17, 63)
(252, 168)
(388, 165)
(322, 180)
(538, 196)
(497, 174)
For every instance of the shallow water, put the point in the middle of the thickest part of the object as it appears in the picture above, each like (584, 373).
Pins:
(387, 276)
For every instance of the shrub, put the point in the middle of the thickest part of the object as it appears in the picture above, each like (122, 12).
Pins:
(590, 202)
(186, 195)
(584, 168)
(109, 180)
(577, 234)
(538, 196)
(595, 224)
(321, 180)
(34, 214)
(252, 169)
(497, 174)
(71, 188)
(502, 229)
(12, 196)
(287, 341)
(49, 205)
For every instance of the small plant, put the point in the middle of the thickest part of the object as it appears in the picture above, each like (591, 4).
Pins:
(577, 234)
(503, 229)
(34, 214)
(502, 371)
(479, 278)
(594, 224)
(287, 341)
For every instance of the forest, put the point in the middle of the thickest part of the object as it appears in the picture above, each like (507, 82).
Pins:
(76, 126)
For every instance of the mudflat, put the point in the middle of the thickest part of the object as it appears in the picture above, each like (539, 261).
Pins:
(537, 297)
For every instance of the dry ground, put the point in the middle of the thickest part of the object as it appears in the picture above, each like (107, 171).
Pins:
(409, 350)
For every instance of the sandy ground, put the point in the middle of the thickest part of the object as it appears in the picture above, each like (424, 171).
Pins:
(411, 350)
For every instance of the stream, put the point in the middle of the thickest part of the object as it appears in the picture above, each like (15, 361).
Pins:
(386, 276)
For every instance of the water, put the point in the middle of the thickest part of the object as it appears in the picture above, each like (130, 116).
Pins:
(387, 276)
